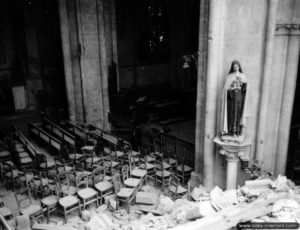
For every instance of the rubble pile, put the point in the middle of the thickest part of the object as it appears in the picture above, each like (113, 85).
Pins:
(261, 200)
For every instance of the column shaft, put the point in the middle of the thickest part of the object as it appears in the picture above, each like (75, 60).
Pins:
(266, 78)
(291, 69)
(64, 28)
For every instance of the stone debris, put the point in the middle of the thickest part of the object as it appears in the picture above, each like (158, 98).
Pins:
(102, 208)
(166, 204)
(148, 188)
(146, 198)
(261, 200)
(218, 199)
(200, 193)
(86, 215)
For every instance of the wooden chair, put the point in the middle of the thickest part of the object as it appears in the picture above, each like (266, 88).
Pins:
(68, 202)
(25, 205)
(11, 175)
(175, 190)
(136, 172)
(86, 194)
(128, 181)
(91, 160)
(125, 195)
(61, 166)
(183, 171)
(161, 175)
(145, 165)
(64, 187)
(110, 163)
(50, 202)
(43, 164)
(103, 186)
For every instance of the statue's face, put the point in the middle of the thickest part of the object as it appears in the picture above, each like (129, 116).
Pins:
(236, 67)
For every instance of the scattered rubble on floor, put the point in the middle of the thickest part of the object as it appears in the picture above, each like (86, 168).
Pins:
(261, 200)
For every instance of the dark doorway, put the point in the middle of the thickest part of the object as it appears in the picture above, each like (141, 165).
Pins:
(293, 160)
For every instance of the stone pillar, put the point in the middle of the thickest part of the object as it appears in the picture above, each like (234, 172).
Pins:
(292, 33)
(215, 49)
(266, 78)
(232, 166)
(64, 28)
(103, 64)
(202, 55)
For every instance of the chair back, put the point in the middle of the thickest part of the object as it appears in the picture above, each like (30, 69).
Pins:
(98, 174)
(133, 161)
(125, 172)
(63, 180)
(23, 198)
(117, 182)
(81, 181)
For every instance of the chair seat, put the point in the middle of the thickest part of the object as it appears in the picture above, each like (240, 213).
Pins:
(186, 168)
(138, 172)
(19, 145)
(71, 190)
(134, 153)
(166, 173)
(43, 182)
(50, 164)
(150, 159)
(68, 168)
(88, 148)
(49, 200)
(111, 164)
(172, 161)
(103, 186)
(148, 166)
(4, 211)
(179, 190)
(20, 149)
(4, 154)
(74, 156)
(94, 160)
(77, 173)
(68, 201)
(23, 154)
(107, 178)
(125, 192)
(30, 210)
(132, 182)
(106, 150)
(87, 193)
(26, 160)
(119, 153)
(166, 165)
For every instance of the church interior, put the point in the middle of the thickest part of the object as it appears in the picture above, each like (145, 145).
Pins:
(149, 114)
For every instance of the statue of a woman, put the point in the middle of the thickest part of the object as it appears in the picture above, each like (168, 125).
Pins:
(234, 105)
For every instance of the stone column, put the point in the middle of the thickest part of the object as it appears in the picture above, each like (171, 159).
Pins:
(266, 78)
(232, 166)
(292, 62)
(64, 28)
(103, 64)
(215, 48)
(200, 106)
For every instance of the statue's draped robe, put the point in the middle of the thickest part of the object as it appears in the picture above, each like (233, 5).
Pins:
(234, 103)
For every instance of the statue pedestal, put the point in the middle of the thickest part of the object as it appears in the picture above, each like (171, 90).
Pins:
(233, 153)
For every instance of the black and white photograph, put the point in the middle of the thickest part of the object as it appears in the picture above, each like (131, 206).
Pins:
(149, 114)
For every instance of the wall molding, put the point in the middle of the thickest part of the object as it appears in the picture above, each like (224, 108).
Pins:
(287, 29)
